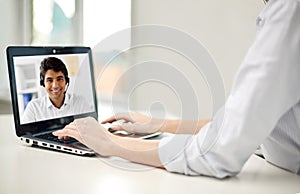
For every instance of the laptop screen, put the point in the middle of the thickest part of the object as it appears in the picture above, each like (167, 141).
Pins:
(50, 86)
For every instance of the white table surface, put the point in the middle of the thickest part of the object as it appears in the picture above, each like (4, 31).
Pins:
(31, 170)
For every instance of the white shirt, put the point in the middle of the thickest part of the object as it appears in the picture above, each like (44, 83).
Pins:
(263, 107)
(42, 108)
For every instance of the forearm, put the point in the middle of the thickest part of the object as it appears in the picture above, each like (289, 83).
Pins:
(183, 127)
(137, 150)
(146, 152)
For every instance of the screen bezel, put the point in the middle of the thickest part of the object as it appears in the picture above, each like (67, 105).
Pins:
(51, 124)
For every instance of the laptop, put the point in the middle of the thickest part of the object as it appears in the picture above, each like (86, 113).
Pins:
(28, 90)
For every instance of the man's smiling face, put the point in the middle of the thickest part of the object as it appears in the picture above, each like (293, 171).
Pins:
(55, 85)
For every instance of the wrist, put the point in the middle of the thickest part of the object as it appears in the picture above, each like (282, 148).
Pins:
(116, 145)
(169, 126)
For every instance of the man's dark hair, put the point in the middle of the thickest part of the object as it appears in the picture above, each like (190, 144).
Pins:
(54, 64)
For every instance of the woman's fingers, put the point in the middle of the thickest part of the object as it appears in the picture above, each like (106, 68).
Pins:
(68, 131)
(109, 120)
(119, 116)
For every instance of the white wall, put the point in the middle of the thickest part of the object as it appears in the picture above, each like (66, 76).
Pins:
(11, 33)
(225, 28)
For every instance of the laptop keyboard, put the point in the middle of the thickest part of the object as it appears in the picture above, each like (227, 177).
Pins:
(51, 137)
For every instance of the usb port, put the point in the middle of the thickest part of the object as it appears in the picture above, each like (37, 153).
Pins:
(58, 147)
(44, 144)
(51, 146)
(67, 149)
(34, 142)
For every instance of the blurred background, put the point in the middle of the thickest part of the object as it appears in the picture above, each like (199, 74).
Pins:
(225, 28)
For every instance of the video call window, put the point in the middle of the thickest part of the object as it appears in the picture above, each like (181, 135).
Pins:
(78, 92)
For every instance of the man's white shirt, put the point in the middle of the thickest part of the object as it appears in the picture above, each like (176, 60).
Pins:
(42, 108)
(263, 108)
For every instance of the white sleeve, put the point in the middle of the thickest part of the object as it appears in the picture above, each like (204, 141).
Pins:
(265, 88)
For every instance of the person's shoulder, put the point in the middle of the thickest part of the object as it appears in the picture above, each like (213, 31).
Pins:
(33, 102)
(281, 6)
(281, 13)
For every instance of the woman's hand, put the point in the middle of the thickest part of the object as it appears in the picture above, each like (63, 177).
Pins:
(69, 130)
(135, 122)
(90, 133)
(138, 123)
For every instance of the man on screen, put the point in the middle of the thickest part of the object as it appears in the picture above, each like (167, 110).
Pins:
(57, 103)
